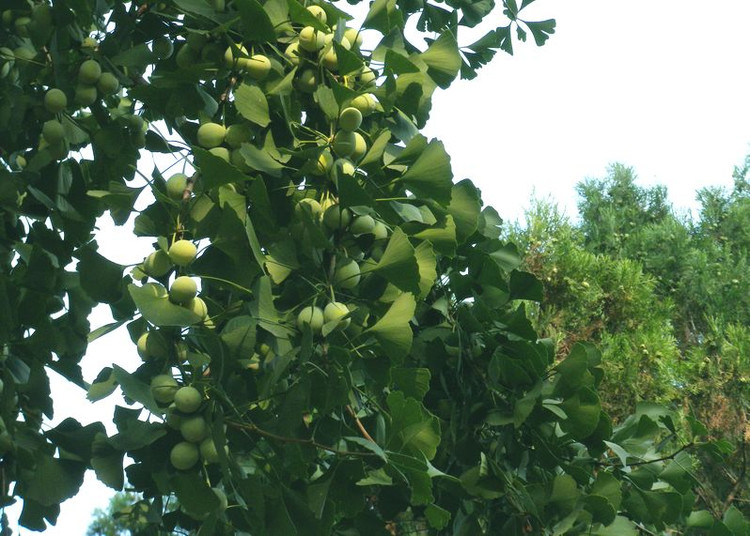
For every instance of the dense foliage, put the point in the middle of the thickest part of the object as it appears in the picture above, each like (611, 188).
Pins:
(334, 339)
(665, 297)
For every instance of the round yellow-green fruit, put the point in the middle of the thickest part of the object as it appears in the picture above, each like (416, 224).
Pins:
(152, 345)
(182, 252)
(336, 311)
(354, 36)
(318, 13)
(311, 205)
(188, 399)
(325, 163)
(360, 146)
(336, 218)
(362, 225)
(366, 103)
(85, 95)
(311, 316)
(157, 263)
(108, 84)
(209, 452)
(347, 275)
(176, 185)
(163, 387)
(162, 47)
(292, 52)
(380, 231)
(89, 72)
(55, 100)
(307, 81)
(53, 132)
(198, 306)
(234, 55)
(257, 66)
(344, 142)
(211, 135)
(184, 455)
(238, 134)
(350, 119)
(194, 428)
(183, 290)
(311, 39)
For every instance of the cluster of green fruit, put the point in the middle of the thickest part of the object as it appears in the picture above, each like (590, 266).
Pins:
(183, 415)
(225, 142)
(32, 28)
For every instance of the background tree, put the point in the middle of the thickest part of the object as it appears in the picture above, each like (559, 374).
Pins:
(334, 338)
(663, 294)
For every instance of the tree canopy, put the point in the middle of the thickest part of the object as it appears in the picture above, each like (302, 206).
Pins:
(663, 295)
(334, 338)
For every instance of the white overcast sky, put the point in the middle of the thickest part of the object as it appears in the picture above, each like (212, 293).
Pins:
(660, 85)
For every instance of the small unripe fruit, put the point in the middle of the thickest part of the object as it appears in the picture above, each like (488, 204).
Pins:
(188, 399)
(234, 55)
(307, 81)
(173, 419)
(256, 66)
(342, 166)
(211, 135)
(53, 132)
(364, 103)
(354, 37)
(347, 275)
(198, 306)
(310, 39)
(183, 290)
(162, 47)
(85, 95)
(360, 146)
(184, 455)
(344, 143)
(336, 311)
(311, 316)
(238, 134)
(89, 72)
(176, 186)
(194, 428)
(108, 84)
(362, 225)
(318, 13)
(367, 77)
(163, 387)
(350, 119)
(336, 218)
(292, 52)
(380, 231)
(182, 252)
(221, 152)
(55, 101)
(325, 163)
(152, 345)
(208, 450)
(311, 205)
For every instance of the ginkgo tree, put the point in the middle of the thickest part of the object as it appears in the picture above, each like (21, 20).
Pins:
(332, 334)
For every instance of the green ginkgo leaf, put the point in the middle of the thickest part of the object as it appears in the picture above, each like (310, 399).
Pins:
(399, 263)
(393, 331)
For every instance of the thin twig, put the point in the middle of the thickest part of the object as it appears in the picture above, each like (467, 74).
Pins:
(362, 429)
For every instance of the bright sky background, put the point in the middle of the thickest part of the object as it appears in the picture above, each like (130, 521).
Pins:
(660, 85)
